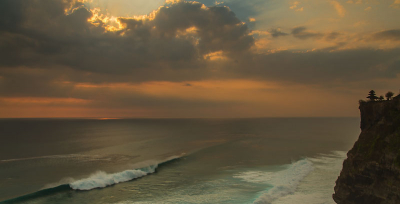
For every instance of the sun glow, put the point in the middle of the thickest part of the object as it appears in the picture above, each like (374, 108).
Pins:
(72, 5)
(110, 23)
(108, 118)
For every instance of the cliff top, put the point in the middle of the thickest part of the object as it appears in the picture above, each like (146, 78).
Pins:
(373, 111)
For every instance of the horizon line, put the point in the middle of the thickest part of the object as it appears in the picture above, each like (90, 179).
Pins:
(128, 118)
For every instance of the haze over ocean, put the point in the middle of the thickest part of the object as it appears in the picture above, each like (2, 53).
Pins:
(265, 160)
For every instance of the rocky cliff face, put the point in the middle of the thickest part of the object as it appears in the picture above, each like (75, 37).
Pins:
(371, 172)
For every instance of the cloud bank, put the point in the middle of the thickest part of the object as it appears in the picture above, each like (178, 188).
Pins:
(63, 48)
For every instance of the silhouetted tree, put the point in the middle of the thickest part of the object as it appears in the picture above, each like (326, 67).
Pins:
(389, 95)
(381, 98)
(372, 96)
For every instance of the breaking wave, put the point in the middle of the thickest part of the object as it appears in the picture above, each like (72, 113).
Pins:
(99, 179)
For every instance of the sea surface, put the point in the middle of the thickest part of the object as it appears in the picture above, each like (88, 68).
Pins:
(140, 161)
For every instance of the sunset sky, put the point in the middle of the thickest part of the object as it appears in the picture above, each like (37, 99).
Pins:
(203, 59)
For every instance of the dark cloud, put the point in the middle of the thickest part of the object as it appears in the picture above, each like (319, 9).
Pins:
(218, 29)
(11, 15)
(303, 34)
(277, 33)
(332, 36)
(387, 35)
(49, 38)
(324, 67)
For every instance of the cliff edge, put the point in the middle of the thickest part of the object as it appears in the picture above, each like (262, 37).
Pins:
(371, 172)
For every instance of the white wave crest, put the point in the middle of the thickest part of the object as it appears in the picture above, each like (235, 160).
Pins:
(101, 179)
(283, 182)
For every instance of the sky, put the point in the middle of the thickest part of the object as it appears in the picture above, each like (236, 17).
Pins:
(195, 59)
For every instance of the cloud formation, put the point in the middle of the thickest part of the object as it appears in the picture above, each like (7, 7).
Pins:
(277, 33)
(182, 56)
(295, 6)
(175, 36)
(341, 11)
(388, 35)
(303, 34)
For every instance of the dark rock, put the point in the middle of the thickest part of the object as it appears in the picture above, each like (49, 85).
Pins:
(371, 172)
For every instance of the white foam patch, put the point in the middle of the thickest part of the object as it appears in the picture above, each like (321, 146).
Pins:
(317, 187)
(282, 182)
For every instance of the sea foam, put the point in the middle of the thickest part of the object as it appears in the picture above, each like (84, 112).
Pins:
(317, 187)
(282, 182)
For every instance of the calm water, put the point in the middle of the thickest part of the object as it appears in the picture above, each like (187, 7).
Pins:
(271, 160)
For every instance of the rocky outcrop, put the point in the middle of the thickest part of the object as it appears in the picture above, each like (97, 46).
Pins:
(371, 172)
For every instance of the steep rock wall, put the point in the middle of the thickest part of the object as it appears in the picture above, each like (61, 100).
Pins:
(371, 172)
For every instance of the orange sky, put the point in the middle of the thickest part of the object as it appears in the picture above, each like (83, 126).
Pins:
(231, 98)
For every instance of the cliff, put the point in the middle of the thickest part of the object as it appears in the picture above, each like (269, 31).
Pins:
(371, 172)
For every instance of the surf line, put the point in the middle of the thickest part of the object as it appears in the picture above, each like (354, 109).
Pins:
(97, 180)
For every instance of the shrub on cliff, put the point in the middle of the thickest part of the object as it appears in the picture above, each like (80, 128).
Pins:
(389, 95)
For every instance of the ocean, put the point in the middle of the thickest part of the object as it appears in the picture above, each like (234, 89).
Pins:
(140, 161)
